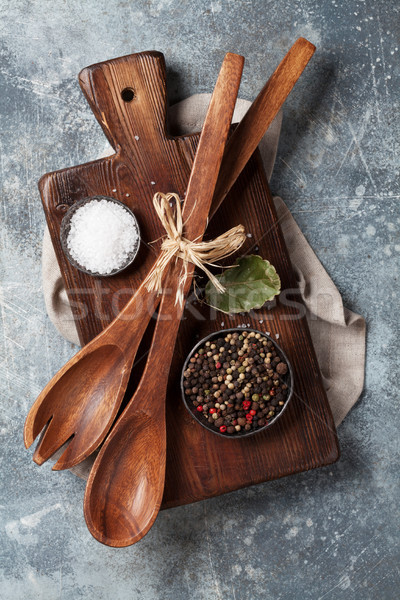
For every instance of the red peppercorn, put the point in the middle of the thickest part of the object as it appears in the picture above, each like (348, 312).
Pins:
(249, 417)
(272, 392)
(200, 408)
(218, 365)
(222, 428)
(246, 404)
(212, 411)
(253, 412)
(234, 422)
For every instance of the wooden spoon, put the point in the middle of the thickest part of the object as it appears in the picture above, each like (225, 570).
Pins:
(125, 487)
(81, 401)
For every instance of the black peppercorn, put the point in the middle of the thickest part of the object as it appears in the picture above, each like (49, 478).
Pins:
(236, 383)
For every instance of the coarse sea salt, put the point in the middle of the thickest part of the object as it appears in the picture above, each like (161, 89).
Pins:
(102, 236)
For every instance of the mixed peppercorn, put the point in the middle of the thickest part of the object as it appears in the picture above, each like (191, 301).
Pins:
(237, 383)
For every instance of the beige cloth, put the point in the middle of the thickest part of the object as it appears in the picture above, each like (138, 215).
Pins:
(338, 334)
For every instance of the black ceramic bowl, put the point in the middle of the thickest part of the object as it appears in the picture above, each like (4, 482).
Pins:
(66, 225)
(287, 379)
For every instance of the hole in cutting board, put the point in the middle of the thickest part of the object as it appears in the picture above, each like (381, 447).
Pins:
(127, 94)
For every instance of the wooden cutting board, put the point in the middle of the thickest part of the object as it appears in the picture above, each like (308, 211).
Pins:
(128, 98)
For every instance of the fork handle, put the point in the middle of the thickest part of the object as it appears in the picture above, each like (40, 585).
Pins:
(154, 380)
(259, 117)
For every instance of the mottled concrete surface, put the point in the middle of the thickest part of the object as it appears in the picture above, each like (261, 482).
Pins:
(331, 533)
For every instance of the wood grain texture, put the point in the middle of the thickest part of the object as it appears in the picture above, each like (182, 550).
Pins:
(118, 514)
(147, 160)
(199, 464)
(85, 419)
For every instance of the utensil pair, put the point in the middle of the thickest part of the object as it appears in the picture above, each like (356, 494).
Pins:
(94, 381)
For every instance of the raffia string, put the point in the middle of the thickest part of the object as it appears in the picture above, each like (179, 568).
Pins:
(175, 245)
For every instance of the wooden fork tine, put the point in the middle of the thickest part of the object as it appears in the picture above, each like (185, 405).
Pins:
(51, 440)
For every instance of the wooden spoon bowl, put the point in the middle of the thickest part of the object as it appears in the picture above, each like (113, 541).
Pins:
(126, 484)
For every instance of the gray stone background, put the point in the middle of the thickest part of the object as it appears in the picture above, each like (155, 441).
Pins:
(330, 533)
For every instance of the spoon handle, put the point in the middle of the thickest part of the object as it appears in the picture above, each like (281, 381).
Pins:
(152, 387)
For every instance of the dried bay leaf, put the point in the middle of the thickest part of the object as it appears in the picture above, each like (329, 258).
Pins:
(250, 283)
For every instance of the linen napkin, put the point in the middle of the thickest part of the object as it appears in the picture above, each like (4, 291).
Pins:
(338, 333)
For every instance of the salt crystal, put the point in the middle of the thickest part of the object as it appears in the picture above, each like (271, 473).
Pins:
(137, 138)
(277, 336)
(114, 190)
(153, 182)
(249, 235)
(102, 236)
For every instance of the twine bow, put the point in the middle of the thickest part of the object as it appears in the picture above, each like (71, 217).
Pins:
(198, 253)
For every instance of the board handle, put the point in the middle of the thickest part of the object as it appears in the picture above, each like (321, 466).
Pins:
(129, 99)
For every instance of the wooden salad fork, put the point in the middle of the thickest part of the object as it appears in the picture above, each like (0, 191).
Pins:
(81, 401)
(126, 483)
